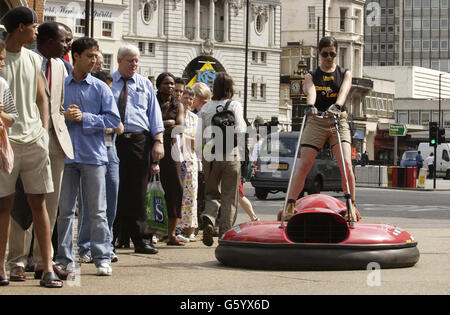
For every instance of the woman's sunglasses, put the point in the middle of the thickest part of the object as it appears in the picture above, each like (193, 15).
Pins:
(325, 54)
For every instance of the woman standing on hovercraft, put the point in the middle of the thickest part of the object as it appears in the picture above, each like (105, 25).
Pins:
(326, 88)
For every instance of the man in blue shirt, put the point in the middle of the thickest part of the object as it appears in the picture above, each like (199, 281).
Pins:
(139, 145)
(90, 109)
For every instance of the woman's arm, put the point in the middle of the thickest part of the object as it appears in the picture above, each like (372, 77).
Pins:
(310, 90)
(345, 88)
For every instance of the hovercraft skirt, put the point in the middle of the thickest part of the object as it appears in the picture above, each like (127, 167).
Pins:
(294, 256)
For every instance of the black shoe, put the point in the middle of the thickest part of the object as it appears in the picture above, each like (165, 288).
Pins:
(3, 282)
(208, 232)
(146, 249)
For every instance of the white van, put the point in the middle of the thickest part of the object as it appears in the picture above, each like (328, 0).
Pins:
(442, 156)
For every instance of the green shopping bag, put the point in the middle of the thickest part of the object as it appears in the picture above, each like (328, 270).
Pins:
(157, 217)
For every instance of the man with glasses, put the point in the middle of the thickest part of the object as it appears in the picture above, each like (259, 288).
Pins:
(326, 88)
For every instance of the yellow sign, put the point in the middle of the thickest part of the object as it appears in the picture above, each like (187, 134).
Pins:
(206, 74)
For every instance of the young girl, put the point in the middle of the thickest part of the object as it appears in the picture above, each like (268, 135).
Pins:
(326, 88)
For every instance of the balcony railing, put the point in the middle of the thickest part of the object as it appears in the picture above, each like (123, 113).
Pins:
(189, 32)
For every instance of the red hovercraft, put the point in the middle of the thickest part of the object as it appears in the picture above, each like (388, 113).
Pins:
(317, 237)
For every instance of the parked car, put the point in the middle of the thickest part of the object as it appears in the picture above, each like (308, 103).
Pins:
(409, 158)
(273, 169)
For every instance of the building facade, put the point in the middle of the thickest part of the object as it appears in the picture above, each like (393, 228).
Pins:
(418, 93)
(408, 32)
(193, 39)
(108, 23)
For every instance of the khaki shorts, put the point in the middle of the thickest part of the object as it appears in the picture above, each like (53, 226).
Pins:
(32, 164)
(318, 131)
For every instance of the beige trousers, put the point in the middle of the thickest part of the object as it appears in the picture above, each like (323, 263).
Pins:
(221, 192)
(20, 240)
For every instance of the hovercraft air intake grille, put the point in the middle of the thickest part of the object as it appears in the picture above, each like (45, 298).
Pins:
(316, 228)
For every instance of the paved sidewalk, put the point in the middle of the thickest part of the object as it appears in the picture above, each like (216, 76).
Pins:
(441, 185)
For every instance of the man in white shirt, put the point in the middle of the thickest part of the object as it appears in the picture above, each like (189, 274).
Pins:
(430, 163)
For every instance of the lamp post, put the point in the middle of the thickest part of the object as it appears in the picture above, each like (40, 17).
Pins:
(89, 18)
(246, 60)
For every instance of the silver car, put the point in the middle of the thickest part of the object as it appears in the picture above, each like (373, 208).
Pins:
(275, 162)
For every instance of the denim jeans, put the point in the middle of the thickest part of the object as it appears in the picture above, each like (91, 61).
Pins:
(112, 190)
(91, 179)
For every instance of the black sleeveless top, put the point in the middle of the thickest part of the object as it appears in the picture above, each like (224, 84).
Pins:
(327, 86)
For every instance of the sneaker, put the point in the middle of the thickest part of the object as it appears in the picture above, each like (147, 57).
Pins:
(208, 232)
(114, 257)
(192, 238)
(182, 238)
(104, 270)
(85, 259)
(290, 209)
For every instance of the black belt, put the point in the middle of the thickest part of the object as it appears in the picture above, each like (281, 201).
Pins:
(129, 135)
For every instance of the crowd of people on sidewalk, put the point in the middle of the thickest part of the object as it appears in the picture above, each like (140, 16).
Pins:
(86, 142)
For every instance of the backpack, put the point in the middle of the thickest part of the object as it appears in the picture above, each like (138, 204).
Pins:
(224, 118)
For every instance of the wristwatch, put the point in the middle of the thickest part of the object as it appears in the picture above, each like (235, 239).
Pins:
(159, 140)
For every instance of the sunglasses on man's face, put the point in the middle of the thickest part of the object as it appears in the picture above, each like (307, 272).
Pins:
(325, 54)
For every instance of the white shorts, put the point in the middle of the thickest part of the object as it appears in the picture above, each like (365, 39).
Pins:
(32, 164)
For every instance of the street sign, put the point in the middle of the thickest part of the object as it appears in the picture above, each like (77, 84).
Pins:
(397, 130)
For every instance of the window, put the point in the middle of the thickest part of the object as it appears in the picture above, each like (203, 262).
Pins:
(417, 24)
(374, 47)
(146, 48)
(151, 48)
(445, 156)
(402, 116)
(259, 24)
(141, 46)
(254, 90)
(147, 13)
(262, 92)
(107, 62)
(444, 24)
(414, 117)
(416, 45)
(342, 20)
(444, 4)
(407, 44)
(408, 24)
(311, 17)
(79, 26)
(443, 65)
(435, 65)
(426, 24)
(49, 18)
(446, 119)
(255, 56)
(342, 57)
(425, 118)
(435, 3)
(263, 57)
(107, 29)
(434, 45)
(426, 45)
(444, 44)
(435, 24)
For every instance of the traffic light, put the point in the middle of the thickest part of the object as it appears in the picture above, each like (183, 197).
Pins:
(433, 127)
(441, 135)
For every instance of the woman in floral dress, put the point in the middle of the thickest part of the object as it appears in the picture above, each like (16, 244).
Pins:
(189, 220)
